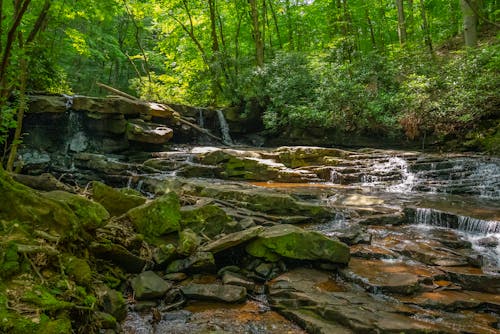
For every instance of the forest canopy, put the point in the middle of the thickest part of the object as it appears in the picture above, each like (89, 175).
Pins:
(378, 67)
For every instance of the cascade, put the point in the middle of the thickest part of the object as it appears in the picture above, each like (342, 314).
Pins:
(224, 128)
(201, 118)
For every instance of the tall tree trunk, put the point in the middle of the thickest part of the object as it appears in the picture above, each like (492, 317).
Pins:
(275, 20)
(372, 32)
(469, 11)
(288, 11)
(401, 22)
(257, 36)
(425, 28)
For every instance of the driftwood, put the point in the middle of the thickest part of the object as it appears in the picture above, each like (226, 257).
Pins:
(176, 115)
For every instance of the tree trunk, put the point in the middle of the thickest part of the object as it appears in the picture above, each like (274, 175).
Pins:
(469, 11)
(425, 28)
(257, 36)
(275, 20)
(401, 22)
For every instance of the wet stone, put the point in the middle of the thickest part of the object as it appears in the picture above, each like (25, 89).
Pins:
(215, 292)
(237, 279)
(475, 279)
(149, 285)
(198, 262)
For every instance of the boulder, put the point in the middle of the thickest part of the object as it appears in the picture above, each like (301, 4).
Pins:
(215, 292)
(231, 278)
(114, 124)
(157, 217)
(164, 253)
(112, 302)
(209, 219)
(47, 104)
(148, 285)
(296, 243)
(474, 279)
(198, 262)
(140, 131)
(90, 214)
(44, 182)
(76, 268)
(232, 240)
(110, 105)
(301, 156)
(116, 201)
(119, 255)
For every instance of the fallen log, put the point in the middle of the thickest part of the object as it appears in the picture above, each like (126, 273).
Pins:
(158, 106)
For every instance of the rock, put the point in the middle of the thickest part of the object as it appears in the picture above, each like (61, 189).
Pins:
(396, 277)
(116, 201)
(22, 204)
(296, 243)
(207, 219)
(232, 278)
(109, 105)
(119, 255)
(44, 182)
(198, 262)
(101, 163)
(188, 242)
(454, 300)
(300, 156)
(114, 124)
(311, 298)
(215, 292)
(47, 104)
(164, 253)
(474, 279)
(151, 133)
(157, 217)
(112, 302)
(148, 285)
(232, 240)
(176, 277)
(488, 242)
(78, 269)
(90, 214)
(266, 271)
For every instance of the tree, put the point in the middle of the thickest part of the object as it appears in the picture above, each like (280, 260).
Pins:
(470, 21)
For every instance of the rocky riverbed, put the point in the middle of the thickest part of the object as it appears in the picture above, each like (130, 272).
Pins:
(224, 240)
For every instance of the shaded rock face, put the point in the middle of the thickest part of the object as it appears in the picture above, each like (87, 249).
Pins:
(140, 131)
(148, 285)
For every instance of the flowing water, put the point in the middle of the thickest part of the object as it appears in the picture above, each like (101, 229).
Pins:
(224, 128)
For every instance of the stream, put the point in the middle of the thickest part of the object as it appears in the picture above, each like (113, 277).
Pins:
(423, 232)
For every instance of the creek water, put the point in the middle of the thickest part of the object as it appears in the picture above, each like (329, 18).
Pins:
(416, 224)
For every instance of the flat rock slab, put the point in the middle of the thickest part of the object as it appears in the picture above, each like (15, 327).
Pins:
(454, 300)
(232, 240)
(151, 133)
(471, 278)
(215, 292)
(389, 276)
(149, 285)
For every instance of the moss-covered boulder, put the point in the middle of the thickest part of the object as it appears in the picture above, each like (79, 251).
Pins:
(301, 156)
(116, 201)
(293, 242)
(22, 204)
(207, 219)
(148, 285)
(77, 269)
(157, 217)
(90, 214)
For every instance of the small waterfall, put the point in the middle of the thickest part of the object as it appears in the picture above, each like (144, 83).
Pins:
(393, 174)
(224, 128)
(69, 101)
(201, 118)
(426, 216)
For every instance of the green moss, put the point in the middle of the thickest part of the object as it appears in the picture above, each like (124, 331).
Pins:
(45, 300)
(158, 217)
(188, 242)
(78, 269)
(90, 214)
(208, 219)
(58, 326)
(9, 260)
(116, 201)
(296, 243)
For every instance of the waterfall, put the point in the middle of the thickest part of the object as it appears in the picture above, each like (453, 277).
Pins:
(426, 216)
(69, 101)
(201, 118)
(224, 128)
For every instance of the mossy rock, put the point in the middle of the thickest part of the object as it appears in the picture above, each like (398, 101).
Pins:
(9, 260)
(293, 242)
(116, 201)
(78, 269)
(24, 204)
(58, 326)
(113, 302)
(45, 300)
(188, 242)
(207, 219)
(89, 213)
(158, 217)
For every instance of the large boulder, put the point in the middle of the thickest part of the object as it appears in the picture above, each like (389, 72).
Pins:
(90, 214)
(114, 105)
(301, 156)
(151, 133)
(232, 240)
(207, 219)
(293, 242)
(116, 201)
(158, 217)
(47, 104)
